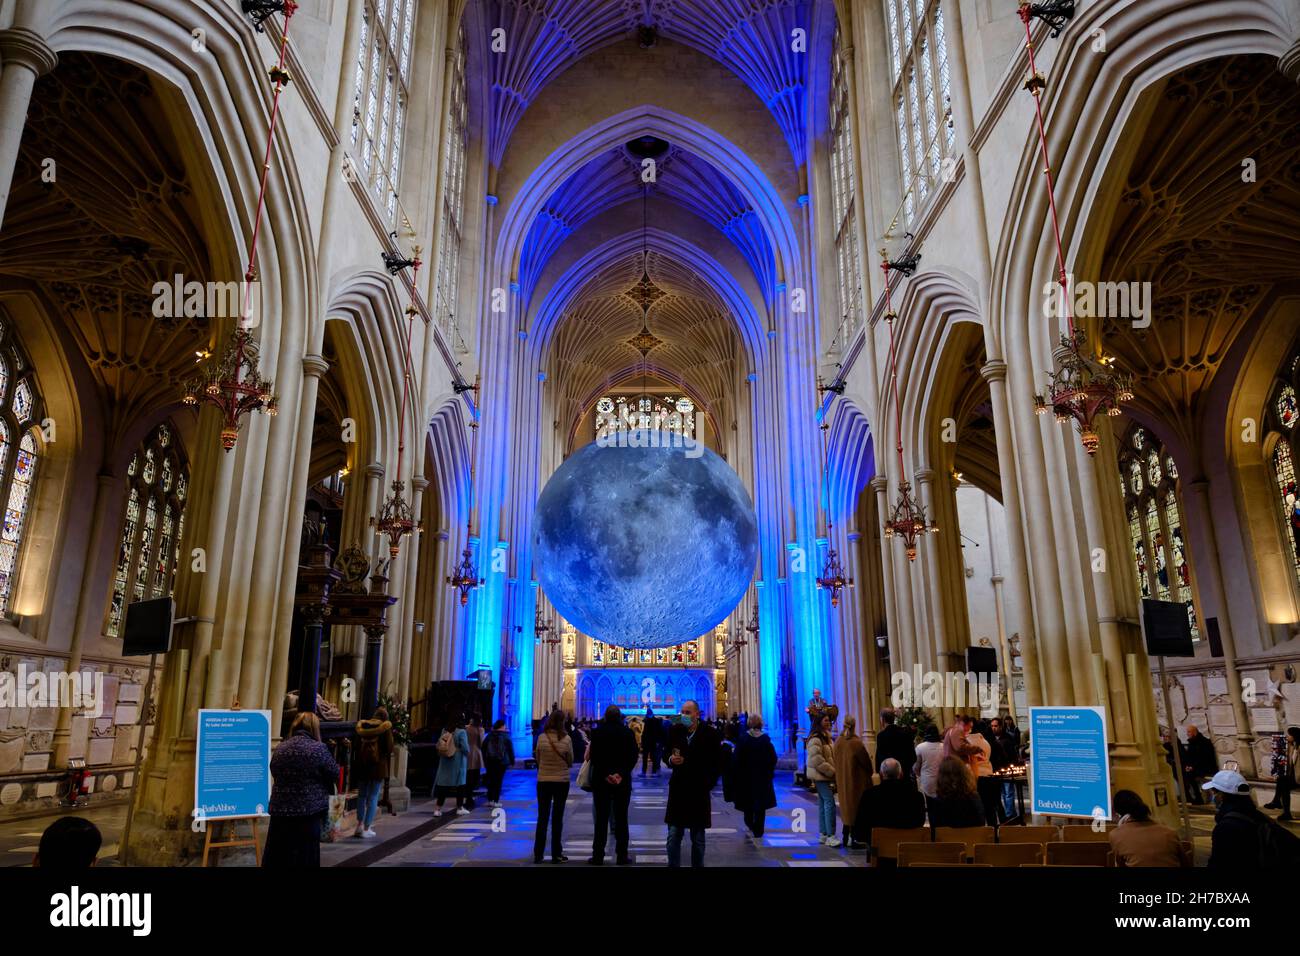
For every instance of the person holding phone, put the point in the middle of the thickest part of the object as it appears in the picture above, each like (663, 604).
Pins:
(692, 756)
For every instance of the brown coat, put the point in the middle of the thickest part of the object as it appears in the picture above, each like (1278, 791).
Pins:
(554, 758)
(1147, 844)
(852, 774)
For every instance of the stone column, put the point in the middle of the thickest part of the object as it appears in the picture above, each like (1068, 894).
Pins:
(899, 659)
(1197, 500)
(89, 611)
(26, 57)
(995, 373)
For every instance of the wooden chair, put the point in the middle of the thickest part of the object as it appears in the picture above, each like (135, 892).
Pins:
(1008, 854)
(944, 854)
(964, 866)
(885, 840)
(1041, 835)
(1084, 834)
(967, 835)
(1088, 853)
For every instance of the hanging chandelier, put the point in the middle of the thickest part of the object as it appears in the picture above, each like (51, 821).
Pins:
(908, 520)
(832, 577)
(396, 520)
(542, 627)
(752, 627)
(232, 384)
(1083, 386)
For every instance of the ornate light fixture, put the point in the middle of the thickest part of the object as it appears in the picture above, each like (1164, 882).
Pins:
(908, 519)
(396, 519)
(752, 627)
(232, 384)
(541, 628)
(1083, 385)
(832, 577)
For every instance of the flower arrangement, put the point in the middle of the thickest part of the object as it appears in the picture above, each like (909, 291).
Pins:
(400, 716)
(914, 719)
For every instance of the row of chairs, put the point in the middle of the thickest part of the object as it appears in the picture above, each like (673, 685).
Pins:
(1005, 846)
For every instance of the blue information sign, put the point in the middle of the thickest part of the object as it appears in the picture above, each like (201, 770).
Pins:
(232, 775)
(1069, 766)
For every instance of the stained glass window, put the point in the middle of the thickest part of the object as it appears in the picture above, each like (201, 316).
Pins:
(381, 94)
(922, 102)
(606, 655)
(20, 447)
(456, 142)
(152, 524)
(1155, 522)
(844, 194)
(1281, 417)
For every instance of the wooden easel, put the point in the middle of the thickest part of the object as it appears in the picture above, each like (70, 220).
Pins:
(233, 838)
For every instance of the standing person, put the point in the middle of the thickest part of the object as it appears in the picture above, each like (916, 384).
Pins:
(303, 774)
(1005, 745)
(727, 762)
(981, 765)
(954, 739)
(453, 759)
(498, 756)
(370, 769)
(1286, 775)
(474, 765)
(1241, 830)
(1140, 841)
(554, 756)
(651, 735)
(821, 771)
(929, 754)
(852, 774)
(613, 758)
(755, 768)
(956, 803)
(1013, 732)
(1202, 762)
(894, 742)
(692, 753)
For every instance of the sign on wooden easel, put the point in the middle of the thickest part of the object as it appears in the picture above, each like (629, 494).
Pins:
(232, 775)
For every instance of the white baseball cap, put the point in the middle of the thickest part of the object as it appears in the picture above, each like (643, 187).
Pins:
(1227, 781)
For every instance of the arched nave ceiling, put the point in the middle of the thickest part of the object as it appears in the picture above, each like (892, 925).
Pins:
(119, 217)
(752, 38)
(1211, 244)
(591, 346)
(613, 179)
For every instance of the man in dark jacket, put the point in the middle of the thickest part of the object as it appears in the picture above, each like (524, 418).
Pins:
(651, 734)
(613, 758)
(896, 803)
(1201, 762)
(1235, 843)
(893, 742)
(692, 755)
(755, 763)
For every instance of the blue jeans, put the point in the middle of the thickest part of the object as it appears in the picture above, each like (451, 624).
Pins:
(368, 801)
(675, 835)
(1009, 798)
(825, 808)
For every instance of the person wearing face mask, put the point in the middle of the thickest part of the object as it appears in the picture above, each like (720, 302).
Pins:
(692, 755)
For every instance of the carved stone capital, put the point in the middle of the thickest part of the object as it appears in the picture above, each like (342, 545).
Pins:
(994, 371)
(314, 365)
(28, 48)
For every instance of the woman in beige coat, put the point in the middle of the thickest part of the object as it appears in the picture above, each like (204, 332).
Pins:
(852, 774)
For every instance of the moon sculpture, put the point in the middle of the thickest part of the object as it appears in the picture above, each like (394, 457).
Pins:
(645, 543)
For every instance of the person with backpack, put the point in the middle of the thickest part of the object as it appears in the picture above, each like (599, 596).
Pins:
(370, 768)
(453, 759)
(1244, 838)
(498, 756)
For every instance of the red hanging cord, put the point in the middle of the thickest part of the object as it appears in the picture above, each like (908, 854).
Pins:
(279, 74)
(1034, 85)
(893, 373)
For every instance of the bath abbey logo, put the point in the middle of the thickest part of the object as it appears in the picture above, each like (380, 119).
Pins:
(79, 690)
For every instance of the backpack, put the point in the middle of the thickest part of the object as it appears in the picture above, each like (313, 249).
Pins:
(494, 747)
(447, 744)
(1278, 846)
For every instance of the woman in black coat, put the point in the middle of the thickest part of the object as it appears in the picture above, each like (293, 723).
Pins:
(957, 803)
(304, 775)
(755, 764)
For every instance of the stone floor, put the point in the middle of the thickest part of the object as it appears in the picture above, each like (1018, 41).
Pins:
(504, 838)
